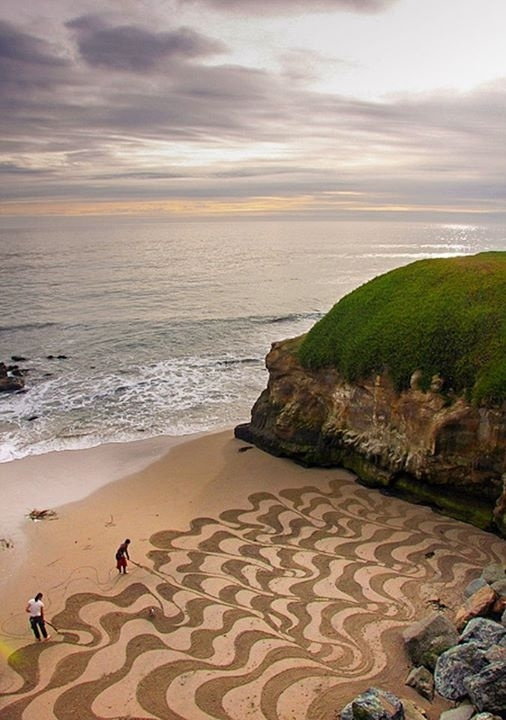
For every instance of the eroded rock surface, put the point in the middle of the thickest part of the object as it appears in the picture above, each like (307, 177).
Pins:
(429, 446)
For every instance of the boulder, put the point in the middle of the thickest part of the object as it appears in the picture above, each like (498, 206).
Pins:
(422, 681)
(478, 604)
(8, 381)
(500, 587)
(426, 639)
(493, 573)
(499, 605)
(474, 585)
(487, 688)
(496, 653)
(462, 712)
(374, 704)
(455, 666)
(483, 632)
(412, 711)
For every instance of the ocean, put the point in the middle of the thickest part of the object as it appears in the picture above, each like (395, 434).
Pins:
(134, 328)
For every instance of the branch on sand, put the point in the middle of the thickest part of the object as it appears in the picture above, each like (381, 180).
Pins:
(42, 515)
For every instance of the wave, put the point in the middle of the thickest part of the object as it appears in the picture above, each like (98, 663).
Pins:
(27, 326)
(83, 407)
(420, 255)
(290, 317)
(240, 361)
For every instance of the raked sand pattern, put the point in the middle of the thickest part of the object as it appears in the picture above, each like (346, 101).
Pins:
(281, 611)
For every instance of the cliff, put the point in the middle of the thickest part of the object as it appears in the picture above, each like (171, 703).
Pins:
(416, 437)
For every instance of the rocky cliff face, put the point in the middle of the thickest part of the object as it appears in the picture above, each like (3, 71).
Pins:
(426, 446)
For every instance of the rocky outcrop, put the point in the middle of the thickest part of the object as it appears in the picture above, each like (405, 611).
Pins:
(426, 639)
(10, 381)
(428, 446)
(374, 704)
(467, 668)
(475, 670)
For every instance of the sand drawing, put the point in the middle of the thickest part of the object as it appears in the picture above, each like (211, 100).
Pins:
(280, 610)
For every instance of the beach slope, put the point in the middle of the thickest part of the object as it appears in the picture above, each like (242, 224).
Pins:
(257, 588)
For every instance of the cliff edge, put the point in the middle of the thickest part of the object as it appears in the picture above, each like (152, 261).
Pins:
(403, 382)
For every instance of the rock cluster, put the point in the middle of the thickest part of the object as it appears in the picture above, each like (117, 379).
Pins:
(464, 661)
(11, 378)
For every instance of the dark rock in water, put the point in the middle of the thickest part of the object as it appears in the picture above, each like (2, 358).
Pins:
(374, 704)
(16, 371)
(18, 358)
(8, 381)
(62, 357)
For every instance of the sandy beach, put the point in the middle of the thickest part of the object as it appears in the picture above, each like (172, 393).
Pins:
(256, 588)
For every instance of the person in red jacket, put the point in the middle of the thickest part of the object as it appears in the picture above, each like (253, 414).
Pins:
(122, 556)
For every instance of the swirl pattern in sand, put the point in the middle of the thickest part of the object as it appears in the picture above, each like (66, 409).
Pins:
(284, 609)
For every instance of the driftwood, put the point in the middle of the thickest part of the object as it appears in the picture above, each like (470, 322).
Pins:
(42, 515)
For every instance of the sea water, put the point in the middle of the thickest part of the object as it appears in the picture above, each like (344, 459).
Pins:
(135, 328)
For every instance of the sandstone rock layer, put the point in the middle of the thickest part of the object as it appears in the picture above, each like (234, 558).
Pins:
(428, 446)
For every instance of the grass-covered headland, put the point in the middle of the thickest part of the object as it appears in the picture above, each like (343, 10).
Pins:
(441, 316)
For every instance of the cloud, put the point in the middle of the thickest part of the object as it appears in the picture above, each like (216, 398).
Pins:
(304, 66)
(10, 168)
(18, 46)
(26, 60)
(282, 7)
(135, 49)
(72, 125)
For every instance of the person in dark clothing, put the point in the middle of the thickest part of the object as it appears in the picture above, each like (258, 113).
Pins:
(122, 556)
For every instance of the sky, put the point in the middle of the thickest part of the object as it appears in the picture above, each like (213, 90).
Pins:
(323, 109)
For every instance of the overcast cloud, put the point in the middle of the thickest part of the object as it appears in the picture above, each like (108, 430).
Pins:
(281, 7)
(135, 49)
(197, 103)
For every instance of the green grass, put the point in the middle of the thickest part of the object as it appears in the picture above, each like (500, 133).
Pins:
(442, 316)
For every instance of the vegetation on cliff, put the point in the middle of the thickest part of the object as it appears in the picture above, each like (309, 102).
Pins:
(441, 316)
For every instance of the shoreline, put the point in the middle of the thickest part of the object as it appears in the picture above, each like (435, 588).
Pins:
(41, 480)
(282, 589)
